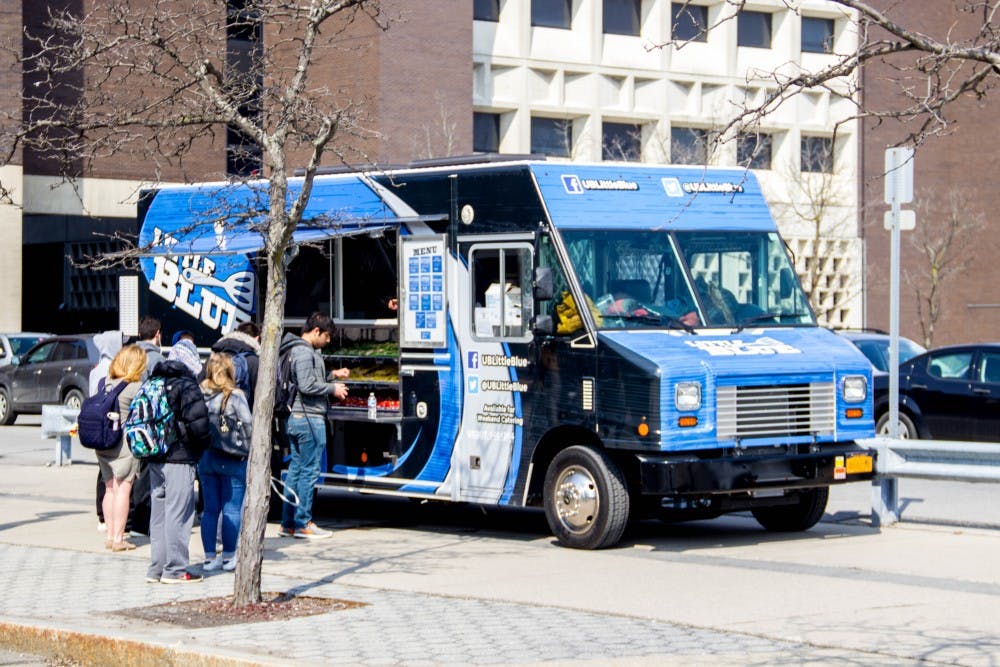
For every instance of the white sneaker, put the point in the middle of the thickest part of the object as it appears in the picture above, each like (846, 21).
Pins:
(101, 527)
(229, 564)
(213, 565)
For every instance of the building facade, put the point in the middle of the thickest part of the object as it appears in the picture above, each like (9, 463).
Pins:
(579, 80)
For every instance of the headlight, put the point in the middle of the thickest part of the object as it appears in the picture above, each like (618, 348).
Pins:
(855, 388)
(687, 395)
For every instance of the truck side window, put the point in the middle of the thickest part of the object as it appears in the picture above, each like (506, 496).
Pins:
(501, 291)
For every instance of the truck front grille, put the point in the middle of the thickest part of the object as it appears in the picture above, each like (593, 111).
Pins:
(775, 411)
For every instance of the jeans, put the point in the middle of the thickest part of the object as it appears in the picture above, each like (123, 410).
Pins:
(307, 442)
(171, 518)
(223, 486)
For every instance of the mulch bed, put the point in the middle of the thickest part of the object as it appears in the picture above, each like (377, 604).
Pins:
(212, 612)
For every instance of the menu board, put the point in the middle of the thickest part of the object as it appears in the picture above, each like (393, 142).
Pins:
(422, 308)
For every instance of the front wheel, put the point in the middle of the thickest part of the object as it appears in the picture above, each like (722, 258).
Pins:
(586, 499)
(7, 414)
(907, 429)
(801, 515)
(73, 399)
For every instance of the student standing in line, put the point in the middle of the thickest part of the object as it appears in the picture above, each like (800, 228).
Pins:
(223, 476)
(150, 342)
(306, 426)
(246, 341)
(108, 344)
(171, 475)
(117, 465)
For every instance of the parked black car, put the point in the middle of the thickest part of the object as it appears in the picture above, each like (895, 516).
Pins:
(54, 371)
(949, 393)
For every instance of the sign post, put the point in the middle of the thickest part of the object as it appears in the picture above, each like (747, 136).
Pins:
(898, 191)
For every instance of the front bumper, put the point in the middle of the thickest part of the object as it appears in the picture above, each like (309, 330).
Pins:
(672, 475)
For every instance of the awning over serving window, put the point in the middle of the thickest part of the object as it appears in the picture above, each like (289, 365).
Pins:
(226, 218)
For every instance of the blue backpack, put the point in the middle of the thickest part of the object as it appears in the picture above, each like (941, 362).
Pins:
(149, 429)
(99, 422)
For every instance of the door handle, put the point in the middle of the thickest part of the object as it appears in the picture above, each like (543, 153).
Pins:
(980, 390)
(918, 386)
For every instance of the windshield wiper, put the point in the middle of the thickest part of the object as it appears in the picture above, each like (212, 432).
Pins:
(753, 319)
(652, 318)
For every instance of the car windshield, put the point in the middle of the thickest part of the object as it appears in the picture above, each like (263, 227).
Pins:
(20, 344)
(877, 351)
(639, 279)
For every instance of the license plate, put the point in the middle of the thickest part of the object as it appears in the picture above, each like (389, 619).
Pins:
(859, 463)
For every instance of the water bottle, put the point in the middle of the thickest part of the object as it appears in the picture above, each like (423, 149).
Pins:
(372, 405)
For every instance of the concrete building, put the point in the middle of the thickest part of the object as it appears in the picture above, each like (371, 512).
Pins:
(573, 79)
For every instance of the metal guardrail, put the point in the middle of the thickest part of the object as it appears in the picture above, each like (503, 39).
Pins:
(927, 459)
(58, 421)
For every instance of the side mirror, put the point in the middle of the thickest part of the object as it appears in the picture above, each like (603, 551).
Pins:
(542, 325)
(15, 360)
(786, 281)
(543, 283)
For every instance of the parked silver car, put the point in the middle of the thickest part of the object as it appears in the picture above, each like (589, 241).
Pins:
(56, 370)
(16, 344)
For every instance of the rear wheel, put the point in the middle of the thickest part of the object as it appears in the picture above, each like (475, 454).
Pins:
(801, 515)
(73, 399)
(586, 499)
(907, 429)
(7, 414)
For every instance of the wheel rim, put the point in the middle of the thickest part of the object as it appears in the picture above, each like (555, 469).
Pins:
(3, 406)
(576, 499)
(904, 432)
(73, 401)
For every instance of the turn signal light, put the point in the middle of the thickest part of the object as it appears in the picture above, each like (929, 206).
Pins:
(854, 413)
(643, 429)
(687, 421)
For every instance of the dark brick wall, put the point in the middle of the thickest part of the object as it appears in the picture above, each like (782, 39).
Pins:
(960, 161)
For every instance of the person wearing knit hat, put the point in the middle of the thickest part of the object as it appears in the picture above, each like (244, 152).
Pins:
(185, 352)
(183, 334)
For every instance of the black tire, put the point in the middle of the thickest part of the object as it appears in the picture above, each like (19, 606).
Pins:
(7, 414)
(73, 398)
(586, 499)
(907, 429)
(802, 515)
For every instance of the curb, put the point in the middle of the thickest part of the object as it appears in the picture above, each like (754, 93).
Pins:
(94, 649)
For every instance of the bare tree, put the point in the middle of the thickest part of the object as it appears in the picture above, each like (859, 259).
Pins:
(441, 138)
(154, 78)
(944, 240)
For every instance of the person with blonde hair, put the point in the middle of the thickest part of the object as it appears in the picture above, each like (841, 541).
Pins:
(118, 467)
(222, 470)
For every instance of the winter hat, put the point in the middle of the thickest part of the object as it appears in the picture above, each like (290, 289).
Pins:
(185, 352)
(179, 334)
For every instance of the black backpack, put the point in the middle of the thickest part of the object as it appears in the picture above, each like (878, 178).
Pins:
(99, 422)
(286, 388)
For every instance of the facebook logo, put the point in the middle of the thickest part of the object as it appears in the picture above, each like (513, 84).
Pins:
(473, 359)
(473, 384)
(572, 185)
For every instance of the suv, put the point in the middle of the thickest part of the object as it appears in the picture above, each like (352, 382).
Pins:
(15, 344)
(53, 371)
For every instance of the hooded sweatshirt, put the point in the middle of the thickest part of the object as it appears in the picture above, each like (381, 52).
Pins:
(108, 344)
(238, 342)
(153, 356)
(309, 374)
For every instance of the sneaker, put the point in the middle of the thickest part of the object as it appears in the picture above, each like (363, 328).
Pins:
(213, 565)
(229, 564)
(152, 580)
(284, 531)
(312, 532)
(185, 578)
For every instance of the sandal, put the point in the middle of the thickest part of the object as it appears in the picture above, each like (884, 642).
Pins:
(107, 544)
(124, 545)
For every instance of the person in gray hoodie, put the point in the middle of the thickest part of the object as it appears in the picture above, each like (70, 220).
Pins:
(150, 342)
(306, 426)
(108, 344)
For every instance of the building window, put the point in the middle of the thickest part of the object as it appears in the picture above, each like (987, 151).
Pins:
(486, 10)
(817, 35)
(753, 29)
(485, 132)
(753, 150)
(817, 154)
(551, 13)
(621, 141)
(689, 22)
(244, 74)
(688, 145)
(622, 17)
(551, 136)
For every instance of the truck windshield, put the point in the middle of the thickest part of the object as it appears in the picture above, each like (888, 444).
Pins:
(642, 279)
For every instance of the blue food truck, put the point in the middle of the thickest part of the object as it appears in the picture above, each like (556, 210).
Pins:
(604, 341)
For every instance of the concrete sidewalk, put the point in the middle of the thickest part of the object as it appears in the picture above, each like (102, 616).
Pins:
(728, 594)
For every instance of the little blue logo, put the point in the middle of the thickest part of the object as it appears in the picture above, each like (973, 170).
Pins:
(473, 359)
(473, 384)
(572, 184)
